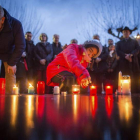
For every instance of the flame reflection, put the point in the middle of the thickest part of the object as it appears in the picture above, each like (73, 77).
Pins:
(2, 106)
(125, 108)
(14, 109)
(109, 104)
(29, 111)
(93, 105)
(40, 103)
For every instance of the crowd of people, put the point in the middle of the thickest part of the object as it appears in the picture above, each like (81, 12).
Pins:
(25, 62)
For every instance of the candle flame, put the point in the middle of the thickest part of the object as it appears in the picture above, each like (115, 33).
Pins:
(125, 81)
(30, 85)
(93, 87)
(15, 86)
(108, 87)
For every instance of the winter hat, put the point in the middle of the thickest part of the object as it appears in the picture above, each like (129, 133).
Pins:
(1, 12)
(94, 43)
(126, 28)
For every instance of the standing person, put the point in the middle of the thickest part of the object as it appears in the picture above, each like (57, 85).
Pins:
(74, 41)
(112, 59)
(71, 64)
(12, 45)
(56, 45)
(43, 55)
(127, 50)
(110, 42)
(30, 57)
(98, 67)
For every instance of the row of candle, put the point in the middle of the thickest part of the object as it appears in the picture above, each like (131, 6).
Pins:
(40, 87)
(93, 89)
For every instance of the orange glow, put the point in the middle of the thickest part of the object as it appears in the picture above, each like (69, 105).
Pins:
(75, 89)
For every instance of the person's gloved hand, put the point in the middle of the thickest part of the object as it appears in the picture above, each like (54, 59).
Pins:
(43, 61)
(85, 82)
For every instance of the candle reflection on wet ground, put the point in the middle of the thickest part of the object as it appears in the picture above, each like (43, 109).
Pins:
(2, 107)
(69, 117)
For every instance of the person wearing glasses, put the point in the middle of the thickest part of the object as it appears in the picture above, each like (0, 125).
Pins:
(30, 56)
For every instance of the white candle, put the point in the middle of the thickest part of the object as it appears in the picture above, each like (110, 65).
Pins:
(56, 90)
(119, 81)
(126, 87)
(30, 89)
(15, 90)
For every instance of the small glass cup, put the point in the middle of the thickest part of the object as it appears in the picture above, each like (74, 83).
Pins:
(75, 89)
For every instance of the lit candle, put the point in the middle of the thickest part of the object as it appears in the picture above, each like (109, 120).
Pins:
(76, 89)
(30, 89)
(2, 85)
(119, 82)
(126, 85)
(109, 89)
(15, 90)
(93, 90)
(56, 90)
(41, 87)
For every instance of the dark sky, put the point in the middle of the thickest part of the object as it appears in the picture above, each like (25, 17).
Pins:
(79, 19)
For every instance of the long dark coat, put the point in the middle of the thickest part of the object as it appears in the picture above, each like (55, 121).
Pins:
(129, 46)
(12, 41)
(56, 50)
(30, 53)
(102, 65)
(43, 51)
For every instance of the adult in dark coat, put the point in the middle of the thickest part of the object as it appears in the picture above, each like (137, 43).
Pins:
(30, 56)
(111, 72)
(98, 67)
(56, 45)
(43, 55)
(12, 45)
(127, 50)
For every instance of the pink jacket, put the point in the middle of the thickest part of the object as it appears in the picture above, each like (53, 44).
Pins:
(70, 59)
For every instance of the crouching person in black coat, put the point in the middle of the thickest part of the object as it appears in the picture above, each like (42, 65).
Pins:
(12, 45)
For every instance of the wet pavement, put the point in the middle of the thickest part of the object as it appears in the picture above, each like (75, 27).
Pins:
(70, 117)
